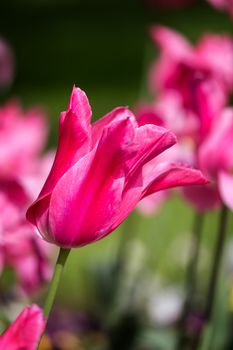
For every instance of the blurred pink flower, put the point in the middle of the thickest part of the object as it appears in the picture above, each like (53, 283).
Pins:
(226, 5)
(215, 159)
(6, 65)
(22, 138)
(24, 333)
(22, 172)
(99, 174)
(167, 111)
(212, 56)
(20, 248)
(201, 75)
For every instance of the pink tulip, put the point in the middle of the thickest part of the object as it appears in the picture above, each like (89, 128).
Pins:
(211, 57)
(24, 333)
(6, 65)
(201, 75)
(215, 52)
(22, 138)
(98, 176)
(216, 161)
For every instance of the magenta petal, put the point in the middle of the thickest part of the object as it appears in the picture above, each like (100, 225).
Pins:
(215, 153)
(225, 185)
(74, 138)
(146, 114)
(37, 215)
(116, 114)
(25, 331)
(171, 42)
(85, 202)
(166, 175)
(210, 99)
(150, 141)
(216, 53)
(130, 198)
(74, 142)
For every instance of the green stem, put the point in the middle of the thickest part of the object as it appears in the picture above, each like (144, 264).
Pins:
(216, 262)
(61, 260)
(212, 287)
(191, 277)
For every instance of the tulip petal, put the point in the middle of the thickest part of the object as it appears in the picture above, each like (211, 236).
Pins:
(85, 201)
(225, 185)
(25, 331)
(215, 153)
(150, 141)
(74, 142)
(209, 99)
(216, 53)
(171, 42)
(171, 175)
(116, 114)
(74, 137)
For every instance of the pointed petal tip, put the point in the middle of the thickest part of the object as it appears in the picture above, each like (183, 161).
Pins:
(78, 99)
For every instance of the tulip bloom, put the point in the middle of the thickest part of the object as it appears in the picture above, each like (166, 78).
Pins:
(22, 138)
(202, 75)
(24, 333)
(98, 176)
(211, 57)
(215, 160)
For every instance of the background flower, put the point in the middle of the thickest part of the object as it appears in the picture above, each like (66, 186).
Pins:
(25, 331)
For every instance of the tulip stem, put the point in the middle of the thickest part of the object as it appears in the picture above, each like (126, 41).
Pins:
(212, 287)
(216, 262)
(191, 276)
(61, 260)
